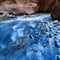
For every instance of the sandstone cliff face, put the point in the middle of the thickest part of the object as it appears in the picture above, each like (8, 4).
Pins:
(56, 10)
(46, 5)
(17, 7)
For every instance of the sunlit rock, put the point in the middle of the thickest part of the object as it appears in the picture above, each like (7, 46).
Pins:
(18, 7)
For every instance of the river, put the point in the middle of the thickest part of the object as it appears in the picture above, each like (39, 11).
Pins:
(30, 37)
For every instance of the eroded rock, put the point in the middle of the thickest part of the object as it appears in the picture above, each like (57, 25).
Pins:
(46, 5)
(56, 10)
(18, 7)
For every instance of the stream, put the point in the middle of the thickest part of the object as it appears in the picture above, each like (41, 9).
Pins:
(30, 37)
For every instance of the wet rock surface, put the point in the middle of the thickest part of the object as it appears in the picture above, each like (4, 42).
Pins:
(56, 10)
(34, 37)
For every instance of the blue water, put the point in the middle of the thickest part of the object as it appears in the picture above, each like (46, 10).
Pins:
(30, 37)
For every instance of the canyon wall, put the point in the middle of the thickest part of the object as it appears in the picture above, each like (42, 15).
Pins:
(56, 10)
(17, 7)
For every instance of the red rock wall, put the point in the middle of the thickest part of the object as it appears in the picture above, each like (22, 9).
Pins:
(46, 5)
(25, 6)
(56, 10)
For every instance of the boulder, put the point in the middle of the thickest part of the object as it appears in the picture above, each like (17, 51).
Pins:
(56, 10)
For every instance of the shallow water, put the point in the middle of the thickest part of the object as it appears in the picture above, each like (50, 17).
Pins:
(30, 37)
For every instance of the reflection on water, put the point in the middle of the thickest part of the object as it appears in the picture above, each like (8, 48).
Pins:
(29, 37)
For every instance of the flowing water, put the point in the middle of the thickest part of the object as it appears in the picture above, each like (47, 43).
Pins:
(30, 37)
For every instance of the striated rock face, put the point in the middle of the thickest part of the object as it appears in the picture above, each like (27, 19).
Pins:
(17, 7)
(56, 10)
(46, 5)
(27, 6)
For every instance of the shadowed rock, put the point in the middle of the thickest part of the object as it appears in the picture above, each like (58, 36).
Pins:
(45, 5)
(56, 10)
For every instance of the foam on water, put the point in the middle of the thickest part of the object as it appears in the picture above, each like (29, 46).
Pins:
(30, 37)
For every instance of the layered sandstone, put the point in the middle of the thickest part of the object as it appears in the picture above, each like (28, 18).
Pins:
(56, 10)
(17, 7)
(46, 5)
